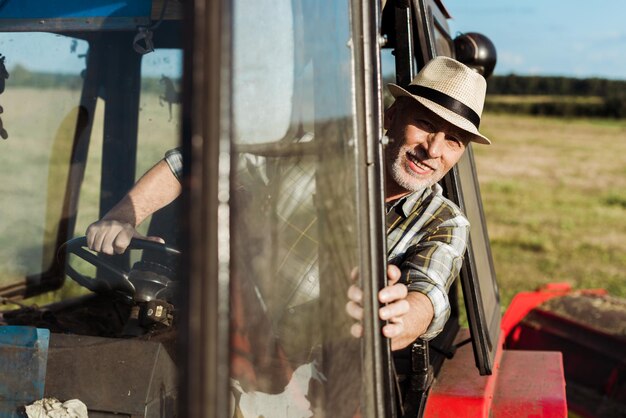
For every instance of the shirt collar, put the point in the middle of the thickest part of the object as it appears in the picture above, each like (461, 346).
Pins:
(410, 201)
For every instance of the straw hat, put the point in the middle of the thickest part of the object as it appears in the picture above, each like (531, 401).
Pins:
(451, 90)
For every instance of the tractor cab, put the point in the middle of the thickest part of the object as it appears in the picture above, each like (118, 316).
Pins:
(276, 110)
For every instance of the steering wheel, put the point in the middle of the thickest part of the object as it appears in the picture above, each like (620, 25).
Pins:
(117, 281)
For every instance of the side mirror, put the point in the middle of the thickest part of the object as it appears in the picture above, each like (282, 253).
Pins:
(476, 51)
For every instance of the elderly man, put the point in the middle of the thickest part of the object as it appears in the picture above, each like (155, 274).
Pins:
(429, 126)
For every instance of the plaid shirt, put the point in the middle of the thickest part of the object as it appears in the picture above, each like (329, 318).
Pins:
(426, 237)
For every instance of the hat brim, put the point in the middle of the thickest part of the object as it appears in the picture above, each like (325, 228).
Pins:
(448, 115)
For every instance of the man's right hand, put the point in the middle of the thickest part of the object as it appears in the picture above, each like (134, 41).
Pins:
(408, 314)
(113, 237)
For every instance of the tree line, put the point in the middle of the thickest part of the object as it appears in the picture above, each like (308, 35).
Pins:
(20, 76)
(570, 97)
(557, 86)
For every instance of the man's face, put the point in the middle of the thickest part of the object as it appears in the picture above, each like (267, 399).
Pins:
(423, 147)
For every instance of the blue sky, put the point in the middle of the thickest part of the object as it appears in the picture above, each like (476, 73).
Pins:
(573, 38)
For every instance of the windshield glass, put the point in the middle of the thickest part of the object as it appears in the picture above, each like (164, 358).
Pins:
(293, 224)
(41, 94)
(55, 114)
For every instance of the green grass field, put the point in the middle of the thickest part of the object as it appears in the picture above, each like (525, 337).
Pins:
(554, 193)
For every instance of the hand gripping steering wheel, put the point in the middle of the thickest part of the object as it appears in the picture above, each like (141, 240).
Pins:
(116, 281)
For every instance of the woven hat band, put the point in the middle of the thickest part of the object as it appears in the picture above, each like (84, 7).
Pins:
(446, 101)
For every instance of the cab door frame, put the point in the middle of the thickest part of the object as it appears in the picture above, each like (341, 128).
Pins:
(206, 128)
(378, 398)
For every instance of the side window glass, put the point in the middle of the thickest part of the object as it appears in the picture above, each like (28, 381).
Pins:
(443, 42)
(160, 106)
(293, 214)
(159, 113)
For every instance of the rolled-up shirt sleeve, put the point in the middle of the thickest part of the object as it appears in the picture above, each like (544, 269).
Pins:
(174, 159)
(431, 266)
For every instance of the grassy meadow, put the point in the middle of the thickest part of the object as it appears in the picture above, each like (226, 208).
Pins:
(554, 194)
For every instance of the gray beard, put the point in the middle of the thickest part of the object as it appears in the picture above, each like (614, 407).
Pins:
(407, 181)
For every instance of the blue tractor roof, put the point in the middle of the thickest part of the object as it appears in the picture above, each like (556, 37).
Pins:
(46, 9)
(73, 15)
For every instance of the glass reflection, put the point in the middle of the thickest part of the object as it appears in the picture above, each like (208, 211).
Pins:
(293, 219)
